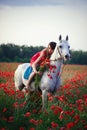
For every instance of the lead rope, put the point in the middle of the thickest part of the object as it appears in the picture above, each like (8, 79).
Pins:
(61, 71)
(59, 75)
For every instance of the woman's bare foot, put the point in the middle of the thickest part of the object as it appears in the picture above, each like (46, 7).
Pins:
(27, 88)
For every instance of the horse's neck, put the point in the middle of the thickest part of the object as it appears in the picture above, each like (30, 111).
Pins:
(56, 60)
(57, 65)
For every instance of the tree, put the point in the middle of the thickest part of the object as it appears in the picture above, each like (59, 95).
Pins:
(14, 53)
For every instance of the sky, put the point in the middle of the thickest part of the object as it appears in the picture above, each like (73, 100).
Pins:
(38, 22)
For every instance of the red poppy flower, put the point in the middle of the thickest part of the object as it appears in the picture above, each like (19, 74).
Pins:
(27, 114)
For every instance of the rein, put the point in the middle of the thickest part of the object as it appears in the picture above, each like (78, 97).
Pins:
(61, 71)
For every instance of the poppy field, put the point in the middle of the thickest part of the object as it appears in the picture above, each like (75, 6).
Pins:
(67, 110)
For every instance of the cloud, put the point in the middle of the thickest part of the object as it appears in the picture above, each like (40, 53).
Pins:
(41, 2)
(29, 2)
(41, 21)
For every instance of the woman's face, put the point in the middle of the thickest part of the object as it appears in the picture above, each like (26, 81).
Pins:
(50, 50)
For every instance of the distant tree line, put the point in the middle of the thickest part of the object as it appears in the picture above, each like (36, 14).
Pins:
(14, 53)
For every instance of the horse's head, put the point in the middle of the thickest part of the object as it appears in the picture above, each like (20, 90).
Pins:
(62, 50)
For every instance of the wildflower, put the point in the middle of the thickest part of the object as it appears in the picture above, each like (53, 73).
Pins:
(22, 128)
(79, 101)
(11, 119)
(51, 98)
(16, 105)
(61, 98)
(45, 111)
(3, 118)
(77, 118)
(70, 125)
(27, 114)
(34, 111)
(2, 128)
(80, 108)
(63, 128)
(35, 122)
(54, 125)
(32, 128)
(40, 121)
(52, 107)
(56, 109)
(23, 104)
(85, 126)
(4, 109)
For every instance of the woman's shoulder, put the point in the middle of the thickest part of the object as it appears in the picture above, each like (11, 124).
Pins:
(44, 51)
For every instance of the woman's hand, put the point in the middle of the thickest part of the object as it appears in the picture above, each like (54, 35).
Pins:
(35, 71)
(38, 72)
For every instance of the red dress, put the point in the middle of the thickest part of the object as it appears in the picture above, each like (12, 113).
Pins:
(37, 55)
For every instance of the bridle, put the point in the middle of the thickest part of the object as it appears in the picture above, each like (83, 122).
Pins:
(58, 49)
(60, 58)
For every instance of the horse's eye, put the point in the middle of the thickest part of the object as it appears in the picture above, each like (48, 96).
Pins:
(60, 46)
(68, 46)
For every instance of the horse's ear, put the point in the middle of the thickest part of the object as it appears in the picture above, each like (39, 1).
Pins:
(60, 38)
(67, 38)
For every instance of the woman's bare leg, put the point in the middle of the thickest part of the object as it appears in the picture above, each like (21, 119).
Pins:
(29, 80)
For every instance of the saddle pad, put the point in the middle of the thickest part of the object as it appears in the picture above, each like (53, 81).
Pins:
(27, 72)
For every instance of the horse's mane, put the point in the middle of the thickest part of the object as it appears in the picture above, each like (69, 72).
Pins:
(55, 54)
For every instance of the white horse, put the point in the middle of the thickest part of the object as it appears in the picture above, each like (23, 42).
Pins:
(51, 79)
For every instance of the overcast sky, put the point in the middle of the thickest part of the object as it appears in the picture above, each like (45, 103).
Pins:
(37, 22)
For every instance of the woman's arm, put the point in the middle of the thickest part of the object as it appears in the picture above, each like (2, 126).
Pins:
(34, 65)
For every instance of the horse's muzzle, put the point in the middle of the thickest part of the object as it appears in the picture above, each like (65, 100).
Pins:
(67, 57)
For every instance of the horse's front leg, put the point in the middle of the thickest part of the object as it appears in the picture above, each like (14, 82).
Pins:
(44, 99)
(59, 83)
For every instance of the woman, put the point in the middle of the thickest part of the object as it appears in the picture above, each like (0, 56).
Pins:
(38, 58)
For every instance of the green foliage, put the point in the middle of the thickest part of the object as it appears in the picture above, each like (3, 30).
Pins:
(78, 57)
(67, 110)
(41, 69)
(6, 107)
(14, 53)
(2, 80)
(26, 114)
